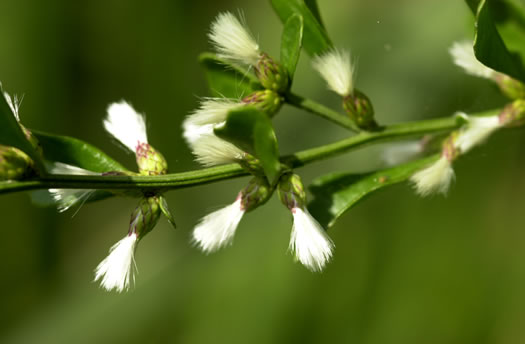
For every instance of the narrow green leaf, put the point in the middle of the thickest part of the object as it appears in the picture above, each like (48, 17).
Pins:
(166, 211)
(314, 8)
(226, 80)
(316, 40)
(490, 48)
(72, 151)
(291, 43)
(251, 130)
(11, 133)
(336, 193)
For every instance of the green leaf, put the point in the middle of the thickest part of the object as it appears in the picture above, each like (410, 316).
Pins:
(316, 40)
(227, 80)
(75, 152)
(166, 211)
(312, 6)
(251, 130)
(11, 134)
(489, 46)
(336, 193)
(291, 43)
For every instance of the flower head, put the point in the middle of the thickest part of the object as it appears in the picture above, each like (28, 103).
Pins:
(126, 125)
(337, 70)
(67, 198)
(463, 55)
(476, 131)
(210, 150)
(434, 178)
(14, 103)
(217, 229)
(309, 241)
(233, 41)
(116, 270)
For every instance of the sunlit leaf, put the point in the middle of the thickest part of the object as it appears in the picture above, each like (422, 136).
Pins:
(336, 193)
(72, 151)
(252, 131)
(226, 80)
(291, 43)
(316, 40)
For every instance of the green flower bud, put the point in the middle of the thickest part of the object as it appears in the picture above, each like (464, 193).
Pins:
(271, 74)
(15, 164)
(145, 216)
(251, 165)
(513, 114)
(359, 108)
(510, 87)
(150, 161)
(291, 191)
(255, 194)
(268, 101)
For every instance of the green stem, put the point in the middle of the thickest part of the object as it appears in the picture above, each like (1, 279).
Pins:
(321, 110)
(213, 174)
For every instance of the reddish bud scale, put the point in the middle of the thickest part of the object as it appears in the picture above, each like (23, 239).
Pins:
(150, 161)
(449, 150)
(255, 194)
(271, 74)
(360, 110)
(145, 216)
(268, 101)
(513, 114)
(291, 191)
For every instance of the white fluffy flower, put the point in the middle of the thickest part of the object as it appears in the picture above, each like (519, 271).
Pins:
(434, 178)
(126, 125)
(476, 131)
(116, 270)
(233, 41)
(309, 241)
(14, 103)
(463, 55)
(400, 152)
(212, 112)
(217, 229)
(337, 70)
(67, 198)
(211, 150)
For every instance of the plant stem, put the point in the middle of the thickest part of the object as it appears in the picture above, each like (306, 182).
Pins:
(321, 110)
(213, 174)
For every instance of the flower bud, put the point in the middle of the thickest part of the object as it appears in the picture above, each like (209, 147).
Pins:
(150, 161)
(145, 216)
(359, 107)
(510, 87)
(271, 74)
(513, 114)
(291, 191)
(256, 193)
(267, 100)
(14, 164)
(251, 165)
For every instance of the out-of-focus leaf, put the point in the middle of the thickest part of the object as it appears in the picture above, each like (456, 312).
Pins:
(336, 193)
(226, 80)
(251, 130)
(72, 151)
(316, 40)
(490, 47)
(314, 8)
(291, 43)
(166, 211)
(11, 134)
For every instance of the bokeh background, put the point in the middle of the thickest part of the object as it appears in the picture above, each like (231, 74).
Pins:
(406, 270)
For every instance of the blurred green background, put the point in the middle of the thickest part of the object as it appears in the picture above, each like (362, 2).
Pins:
(406, 270)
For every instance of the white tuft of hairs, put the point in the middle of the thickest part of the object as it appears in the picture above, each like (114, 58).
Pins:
(463, 55)
(67, 198)
(212, 112)
(476, 131)
(336, 68)
(14, 103)
(217, 229)
(126, 125)
(309, 241)
(435, 178)
(400, 152)
(233, 41)
(211, 150)
(116, 270)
